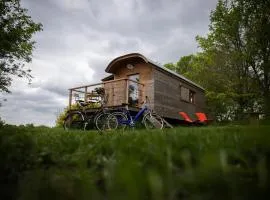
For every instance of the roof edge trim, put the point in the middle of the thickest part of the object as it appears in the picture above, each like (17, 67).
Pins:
(131, 55)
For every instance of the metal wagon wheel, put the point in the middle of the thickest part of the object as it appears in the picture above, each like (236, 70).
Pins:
(74, 121)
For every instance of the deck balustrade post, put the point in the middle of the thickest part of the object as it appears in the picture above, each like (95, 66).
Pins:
(85, 94)
(70, 99)
(105, 95)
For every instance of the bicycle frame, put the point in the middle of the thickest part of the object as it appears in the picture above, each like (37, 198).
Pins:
(131, 121)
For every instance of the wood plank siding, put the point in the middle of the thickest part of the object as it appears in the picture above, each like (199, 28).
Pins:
(167, 96)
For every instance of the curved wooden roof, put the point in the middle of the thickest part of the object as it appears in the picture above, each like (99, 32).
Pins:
(135, 57)
(128, 57)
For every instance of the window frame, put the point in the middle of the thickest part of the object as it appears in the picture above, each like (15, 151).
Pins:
(193, 99)
(189, 91)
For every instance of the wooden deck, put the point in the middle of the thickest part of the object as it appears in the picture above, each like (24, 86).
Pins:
(114, 93)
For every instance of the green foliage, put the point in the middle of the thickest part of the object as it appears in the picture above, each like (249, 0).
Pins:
(229, 162)
(16, 45)
(171, 66)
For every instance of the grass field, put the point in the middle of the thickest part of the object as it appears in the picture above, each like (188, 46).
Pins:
(230, 162)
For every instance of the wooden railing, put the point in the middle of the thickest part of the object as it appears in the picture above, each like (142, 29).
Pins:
(116, 91)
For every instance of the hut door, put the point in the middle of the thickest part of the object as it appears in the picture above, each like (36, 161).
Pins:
(133, 89)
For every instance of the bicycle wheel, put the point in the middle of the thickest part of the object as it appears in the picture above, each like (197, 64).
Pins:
(106, 122)
(121, 119)
(153, 121)
(74, 121)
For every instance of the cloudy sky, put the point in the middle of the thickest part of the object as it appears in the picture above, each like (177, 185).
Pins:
(81, 37)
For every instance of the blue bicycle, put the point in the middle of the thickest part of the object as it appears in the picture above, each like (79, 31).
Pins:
(150, 119)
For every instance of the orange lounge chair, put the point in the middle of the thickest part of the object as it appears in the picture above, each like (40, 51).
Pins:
(203, 119)
(188, 120)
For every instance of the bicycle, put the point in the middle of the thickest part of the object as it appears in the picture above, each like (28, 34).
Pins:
(79, 119)
(150, 118)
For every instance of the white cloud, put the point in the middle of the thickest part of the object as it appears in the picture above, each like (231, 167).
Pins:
(71, 5)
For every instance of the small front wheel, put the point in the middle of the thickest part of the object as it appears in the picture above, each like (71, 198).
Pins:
(153, 121)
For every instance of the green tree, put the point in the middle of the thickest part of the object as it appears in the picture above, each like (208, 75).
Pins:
(227, 44)
(256, 20)
(234, 62)
(16, 44)
(240, 34)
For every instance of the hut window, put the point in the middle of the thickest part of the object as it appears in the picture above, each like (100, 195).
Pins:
(187, 95)
(133, 89)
